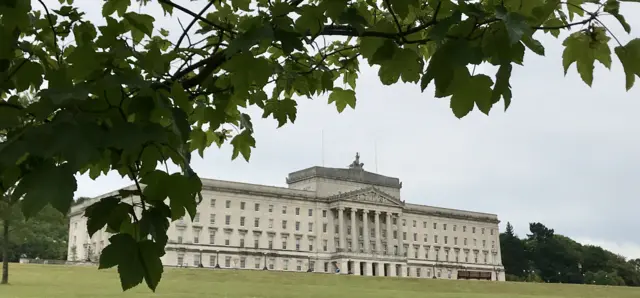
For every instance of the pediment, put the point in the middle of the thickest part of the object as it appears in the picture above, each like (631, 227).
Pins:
(370, 195)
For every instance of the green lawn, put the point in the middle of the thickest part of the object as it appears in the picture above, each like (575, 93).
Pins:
(52, 281)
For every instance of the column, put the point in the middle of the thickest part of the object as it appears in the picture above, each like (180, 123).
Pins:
(368, 269)
(400, 243)
(356, 268)
(341, 229)
(403, 270)
(354, 232)
(365, 230)
(344, 267)
(389, 234)
(392, 270)
(377, 223)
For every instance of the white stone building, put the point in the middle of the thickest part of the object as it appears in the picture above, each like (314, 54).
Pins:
(344, 220)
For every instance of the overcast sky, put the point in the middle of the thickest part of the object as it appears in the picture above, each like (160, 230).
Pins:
(564, 154)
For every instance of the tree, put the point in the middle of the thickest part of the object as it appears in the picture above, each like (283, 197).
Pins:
(123, 97)
(513, 254)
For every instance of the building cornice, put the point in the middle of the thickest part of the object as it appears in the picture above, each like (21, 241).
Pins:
(357, 175)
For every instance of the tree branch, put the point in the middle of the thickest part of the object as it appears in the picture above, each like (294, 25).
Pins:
(193, 14)
(567, 26)
(55, 35)
(186, 30)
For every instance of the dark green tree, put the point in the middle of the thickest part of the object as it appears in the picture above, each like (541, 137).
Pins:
(513, 253)
(117, 95)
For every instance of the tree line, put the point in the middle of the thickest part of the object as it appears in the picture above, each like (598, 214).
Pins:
(544, 256)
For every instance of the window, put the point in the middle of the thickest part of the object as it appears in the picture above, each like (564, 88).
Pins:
(310, 227)
(455, 227)
(312, 265)
(415, 252)
(418, 271)
(284, 243)
(404, 235)
(310, 212)
(242, 221)
(484, 243)
(491, 232)
(424, 224)
(361, 231)
(482, 231)
(212, 237)
(465, 241)
(299, 265)
(485, 258)
(446, 238)
(473, 230)
(455, 240)
(404, 222)
(212, 260)
(415, 236)
(297, 244)
(284, 209)
(297, 210)
(270, 223)
(310, 246)
(493, 244)
(212, 219)
(426, 238)
(271, 263)
(324, 213)
(414, 223)
(426, 252)
(466, 257)
(227, 204)
(284, 224)
(324, 228)
(444, 227)
(227, 219)
(196, 238)
(257, 263)
(475, 242)
(196, 260)
(324, 245)
(297, 226)
(408, 271)
(242, 204)
(256, 243)
(227, 240)
(285, 264)
(243, 262)
(464, 229)
(435, 238)
(180, 259)
(395, 234)
(256, 222)
(348, 230)
(212, 203)
(179, 239)
(256, 207)
(395, 220)
(241, 242)
(372, 233)
(227, 261)
(270, 208)
(197, 217)
(435, 226)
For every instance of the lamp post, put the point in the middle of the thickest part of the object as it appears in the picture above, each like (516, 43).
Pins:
(217, 256)
(265, 261)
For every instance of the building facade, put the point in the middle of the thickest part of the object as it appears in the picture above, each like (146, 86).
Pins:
(334, 220)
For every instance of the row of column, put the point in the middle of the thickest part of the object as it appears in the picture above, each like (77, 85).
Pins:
(392, 268)
(378, 238)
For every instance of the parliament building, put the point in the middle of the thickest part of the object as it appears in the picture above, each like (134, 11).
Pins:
(333, 220)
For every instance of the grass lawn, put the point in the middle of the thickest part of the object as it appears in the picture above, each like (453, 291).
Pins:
(53, 281)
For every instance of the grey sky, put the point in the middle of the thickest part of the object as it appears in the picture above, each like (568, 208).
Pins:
(564, 154)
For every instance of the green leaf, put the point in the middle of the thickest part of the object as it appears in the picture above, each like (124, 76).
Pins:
(613, 7)
(281, 110)
(10, 116)
(516, 24)
(629, 56)
(469, 91)
(47, 184)
(533, 45)
(98, 214)
(343, 98)
(242, 144)
(150, 253)
(311, 19)
(28, 74)
(141, 23)
(112, 6)
(583, 49)
(502, 87)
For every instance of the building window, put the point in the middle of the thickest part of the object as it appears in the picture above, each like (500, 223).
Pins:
(473, 230)
(484, 243)
(212, 260)
(415, 253)
(326, 266)
(310, 212)
(196, 218)
(179, 239)
(270, 208)
(257, 263)
(297, 210)
(435, 226)
(446, 238)
(455, 240)
(310, 246)
(465, 241)
(256, 222)
(424, 224)
(426, 253)
(324, 245)
(485, 258)
(180, 259)
(395, 234)
(212, 203)
(227, 219)
(426, 237)
(256, 243)
(491, 232)
(212, 237)
(324, 228)
(348, 230)
(297, 226)
(395, 220)
(241, 242)
(271, 263)
(298, 244)
(372, 232)
(404, 235)
(324, 213)
(196, 260)
(414, 223)
(404, 222)
(435, 238)
(299, 265)
(257, 207)
(466, 257)
(418, 271)
(227, 240)
(284, 224)
(475, 242)
(243, 262)
(310, 227)
(270, 223)
(464, 229)
(415, 236)
(482, 231)
(242, 205)
(444, 227)
(312, 265)
(285, 264)
(242, 221)
(455, 227)
(493, 244)
(337, 229)
(284, 209)
(408, 271)
(284, 243)
(446, 255)
(227, 261)
(196, 238)
(212, 219)
(270, 243)
(227, 204)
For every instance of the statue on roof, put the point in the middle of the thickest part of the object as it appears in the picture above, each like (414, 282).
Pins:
(356, 164)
